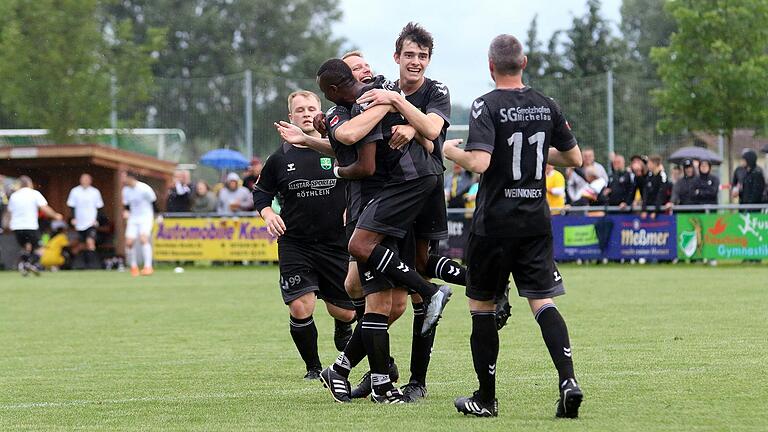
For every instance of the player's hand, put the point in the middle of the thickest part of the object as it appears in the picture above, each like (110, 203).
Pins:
(450, 146)
(74, 222)
(289, 132)
(126, 214)
(375, 97)
(401, 135)
(58, 216)
(275, 225)
(319, 124)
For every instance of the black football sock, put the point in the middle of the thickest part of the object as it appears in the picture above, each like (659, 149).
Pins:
(555, 334)
(388, 263)
(484, 342)
(376, 340)
(421, 346)
(354, 352)
(304, 334)
(444, 268)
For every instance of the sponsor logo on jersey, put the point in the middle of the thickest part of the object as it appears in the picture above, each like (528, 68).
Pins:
(325, 163)
(334, 121)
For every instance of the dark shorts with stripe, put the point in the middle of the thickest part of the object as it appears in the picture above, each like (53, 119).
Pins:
(432, 221)
(313, 267)
(490, 260)
(398, 206)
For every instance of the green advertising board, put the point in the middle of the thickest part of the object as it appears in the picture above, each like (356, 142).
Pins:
(734, 236)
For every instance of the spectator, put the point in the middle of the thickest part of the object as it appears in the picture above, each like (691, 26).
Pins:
(204, 201)
(588, 156)
(738, 177)
(657, 190)
(3, 202)
(471, 196)
(753, 187)
(24, 206)
(180, 195)
(84, 202)
(54, 254)
(706, 185)
(639, 169)
(456, 186)
(555, 188)
(252, 174)
(621, 188)
(684, 189)
(233, 198)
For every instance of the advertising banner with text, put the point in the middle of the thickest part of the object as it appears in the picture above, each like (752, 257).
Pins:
(734, 236)
(214, 239)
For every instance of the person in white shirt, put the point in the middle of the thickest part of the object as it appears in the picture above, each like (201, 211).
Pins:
(24, 206)
(139, 201)
(84, 202)
(588, 156)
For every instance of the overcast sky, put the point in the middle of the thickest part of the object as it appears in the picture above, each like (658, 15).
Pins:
(462, 32)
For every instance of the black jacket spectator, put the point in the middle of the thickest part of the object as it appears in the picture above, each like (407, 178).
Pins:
(622, 188)
(753, 187)
(179, 199)
(706, 186)
(684, 190)
(657, 192)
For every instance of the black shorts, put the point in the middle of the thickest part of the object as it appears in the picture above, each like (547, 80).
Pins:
(24, 237)
(397, 206)
(87, 233)
(490, 260)
(318, 268)
(432, 221)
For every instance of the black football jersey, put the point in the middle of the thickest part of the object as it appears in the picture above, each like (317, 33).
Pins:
(358, 192)
(434, 97)
(516, 127)
(411, 161)
(311, 198)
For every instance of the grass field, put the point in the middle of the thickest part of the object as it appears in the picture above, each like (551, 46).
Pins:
(674, 348)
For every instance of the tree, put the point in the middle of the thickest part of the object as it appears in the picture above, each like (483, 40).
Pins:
(210, 43)
(56, 65)
(715, 69)
(645, 24)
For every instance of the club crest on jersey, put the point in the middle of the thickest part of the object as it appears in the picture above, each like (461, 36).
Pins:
(334, 121)
(325, 163)
(291, 167)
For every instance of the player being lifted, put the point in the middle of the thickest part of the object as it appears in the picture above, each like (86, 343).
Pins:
(514, 131)
(311, 248)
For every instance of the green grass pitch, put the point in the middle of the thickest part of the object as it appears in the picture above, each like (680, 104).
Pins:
(673, 348)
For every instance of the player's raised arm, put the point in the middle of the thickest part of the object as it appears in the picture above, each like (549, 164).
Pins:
(293, 134)
(359, 126)
(567, 159)
(476, 161)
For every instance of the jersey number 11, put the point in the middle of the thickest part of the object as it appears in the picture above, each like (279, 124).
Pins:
(516, 142)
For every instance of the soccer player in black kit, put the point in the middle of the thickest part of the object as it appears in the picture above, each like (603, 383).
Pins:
(514, 131)
(311, 247)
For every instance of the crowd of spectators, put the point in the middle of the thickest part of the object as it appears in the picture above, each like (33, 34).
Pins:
(646, 187)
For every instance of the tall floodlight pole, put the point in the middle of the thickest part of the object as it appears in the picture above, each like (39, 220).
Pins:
(248, 114)
(609, 97)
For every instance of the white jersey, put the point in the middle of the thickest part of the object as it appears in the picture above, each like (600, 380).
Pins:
(139, 198)
(24, 206)
(86, 202)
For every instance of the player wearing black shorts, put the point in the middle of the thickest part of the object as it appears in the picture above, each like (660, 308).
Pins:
(311, 248)
(514, 131)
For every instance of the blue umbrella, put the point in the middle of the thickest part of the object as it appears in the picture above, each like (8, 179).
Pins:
(224, 159)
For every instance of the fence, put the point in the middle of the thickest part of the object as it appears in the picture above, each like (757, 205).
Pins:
(606, 111)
